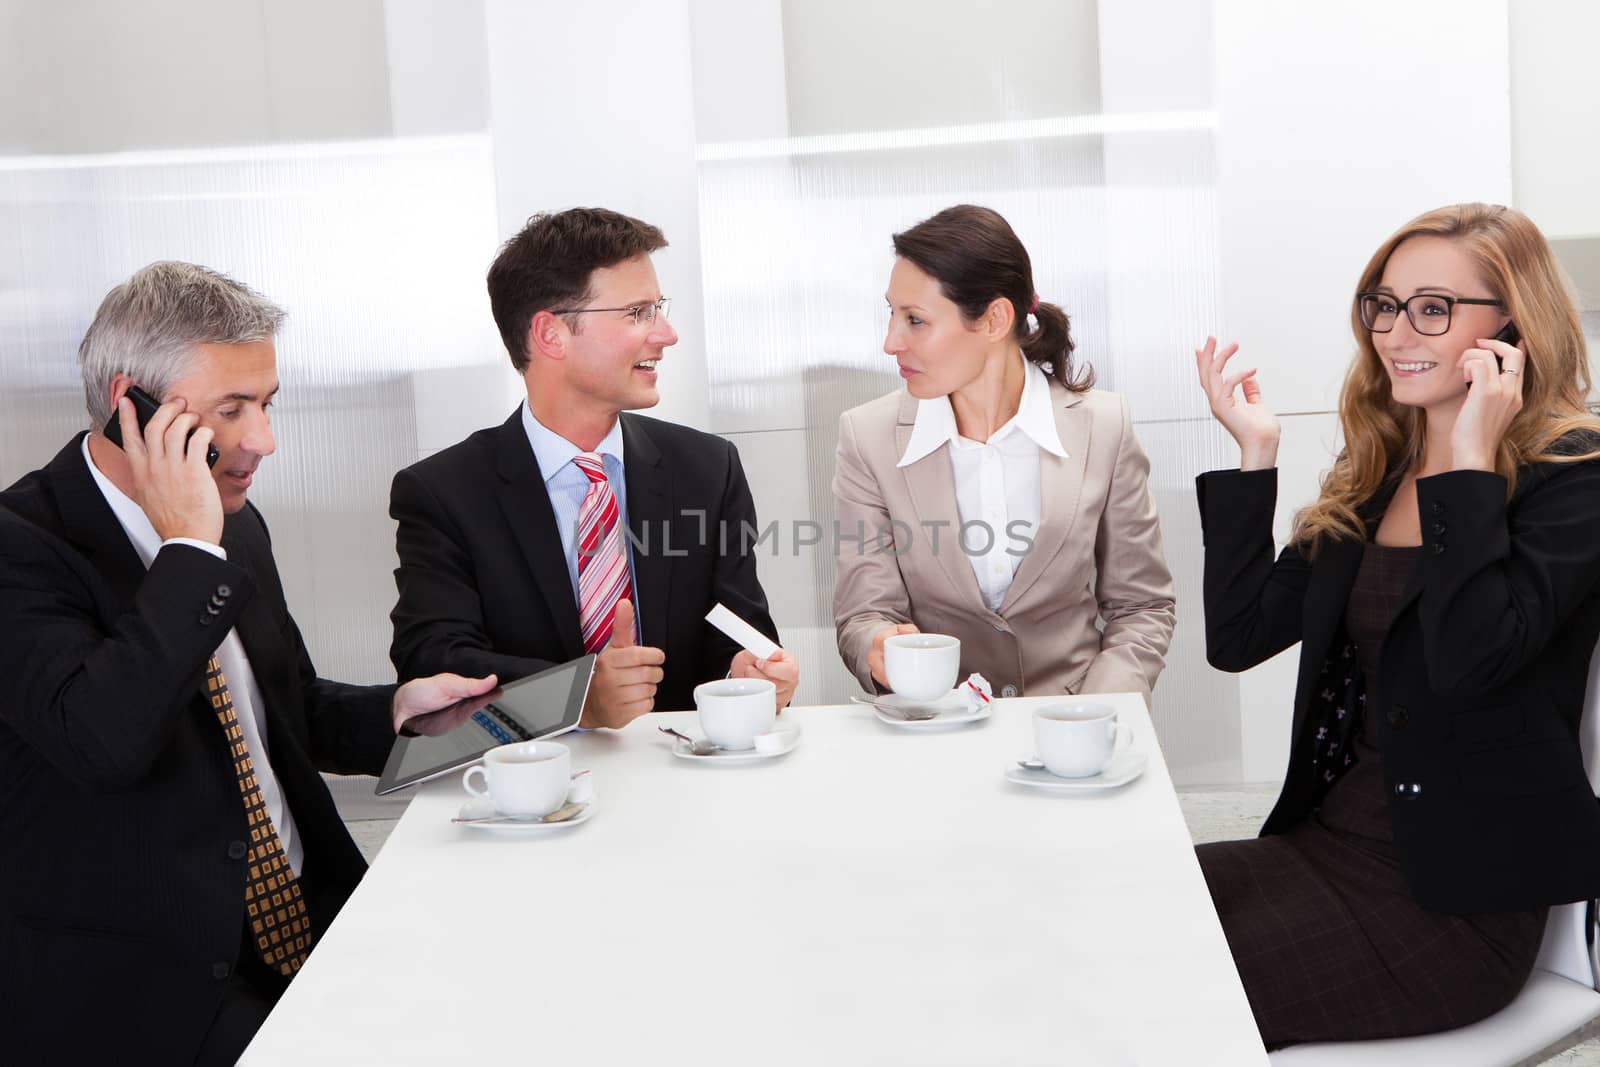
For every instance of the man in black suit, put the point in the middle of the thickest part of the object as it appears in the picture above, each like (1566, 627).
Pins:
(172, 852)
(531, 543)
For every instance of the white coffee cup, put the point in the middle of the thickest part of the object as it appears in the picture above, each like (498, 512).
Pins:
(734, 710)
(922, 666)
(1078, 740)
(525, 778)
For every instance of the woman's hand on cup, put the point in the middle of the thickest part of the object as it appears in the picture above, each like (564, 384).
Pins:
(1493, 371)
(1236, 402)
(875, 656)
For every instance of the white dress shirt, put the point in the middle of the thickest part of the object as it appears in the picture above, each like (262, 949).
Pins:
(567, 485)
(242, 687)
(997, 481)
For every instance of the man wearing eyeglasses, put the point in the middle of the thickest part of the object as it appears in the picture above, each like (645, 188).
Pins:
(576, 526)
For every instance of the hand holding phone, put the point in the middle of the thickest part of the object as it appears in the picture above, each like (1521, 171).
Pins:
(179, 497)
(144, 408)
(1511, 336)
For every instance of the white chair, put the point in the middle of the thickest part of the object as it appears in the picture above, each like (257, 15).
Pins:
(1558, 1008)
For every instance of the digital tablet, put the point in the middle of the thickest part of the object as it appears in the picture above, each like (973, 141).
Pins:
(540, 705)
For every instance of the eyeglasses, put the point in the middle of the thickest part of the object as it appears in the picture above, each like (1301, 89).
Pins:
(1429, 312)
(638, 314)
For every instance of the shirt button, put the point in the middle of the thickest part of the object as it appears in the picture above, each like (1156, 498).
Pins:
(237, 850)
(1438, 507)
(1438, 548)
(1438, 528)
(219, 970)
(1008, 691)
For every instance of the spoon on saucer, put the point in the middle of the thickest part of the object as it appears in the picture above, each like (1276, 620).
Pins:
(909, 714)
(696, 747)
(1031, 764)
(571, 811)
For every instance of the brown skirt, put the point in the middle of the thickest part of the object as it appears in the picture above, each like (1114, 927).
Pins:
(1330, 945)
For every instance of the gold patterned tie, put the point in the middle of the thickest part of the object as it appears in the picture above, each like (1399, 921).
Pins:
(272, 899)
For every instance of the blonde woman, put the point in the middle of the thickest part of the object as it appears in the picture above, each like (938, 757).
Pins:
(1445, 592)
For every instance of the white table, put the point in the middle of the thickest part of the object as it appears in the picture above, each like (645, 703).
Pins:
(877, 896)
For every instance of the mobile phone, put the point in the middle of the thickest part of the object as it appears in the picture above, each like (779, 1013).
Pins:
(144, 406)
(1509, 334)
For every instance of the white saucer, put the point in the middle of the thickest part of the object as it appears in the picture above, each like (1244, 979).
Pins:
(483, 808)
(789, 737)
(1124, 767)
(952, 710)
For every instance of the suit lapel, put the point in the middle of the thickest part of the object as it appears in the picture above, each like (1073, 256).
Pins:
(1060, 490)
(525, 502)
(649, 507)
(932, 486)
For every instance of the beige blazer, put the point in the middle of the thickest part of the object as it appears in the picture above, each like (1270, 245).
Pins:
(1096, 555)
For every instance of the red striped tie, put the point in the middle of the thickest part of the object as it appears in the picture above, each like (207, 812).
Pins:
(602, 558)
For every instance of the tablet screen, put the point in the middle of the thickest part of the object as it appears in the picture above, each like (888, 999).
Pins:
(540, 705)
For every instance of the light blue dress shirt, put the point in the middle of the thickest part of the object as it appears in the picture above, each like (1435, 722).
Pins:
(567, 486)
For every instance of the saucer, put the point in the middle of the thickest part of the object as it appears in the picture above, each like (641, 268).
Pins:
(481, 808)
(951, 708)
(1124, 767)
(789, 740)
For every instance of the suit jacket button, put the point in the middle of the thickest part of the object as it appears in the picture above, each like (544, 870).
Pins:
(205, 620)
(1438, 507)
(224, 591)
(1008, 691)
(1398, 716)
(213, 609)
(1438, 548)
(1408, 789)
(237, 850)
(220, 970)
(1438, 528)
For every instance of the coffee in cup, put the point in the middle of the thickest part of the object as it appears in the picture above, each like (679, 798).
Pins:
(1078, 740)
(922, 666)
(734, 710)
(525, 778)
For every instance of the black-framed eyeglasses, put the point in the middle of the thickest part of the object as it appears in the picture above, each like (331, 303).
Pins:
(638, 314)
(1429, 312)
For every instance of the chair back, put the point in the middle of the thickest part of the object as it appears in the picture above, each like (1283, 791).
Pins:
(1569, 932)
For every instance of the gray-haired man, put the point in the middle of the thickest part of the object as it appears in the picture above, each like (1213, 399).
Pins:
(175, 854)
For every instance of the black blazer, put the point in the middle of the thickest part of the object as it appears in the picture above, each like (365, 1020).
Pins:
(121, 824)
(1481, 682)
(483, 579)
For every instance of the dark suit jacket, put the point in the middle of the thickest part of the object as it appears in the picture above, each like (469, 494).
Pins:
(121, 823)
(483, 578)
(1481, 682)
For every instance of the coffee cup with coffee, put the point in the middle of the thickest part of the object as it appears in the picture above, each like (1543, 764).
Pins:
(922, 666)
(525, 778)
(1078, 740)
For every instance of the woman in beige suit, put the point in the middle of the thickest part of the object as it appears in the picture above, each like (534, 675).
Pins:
(998, 497)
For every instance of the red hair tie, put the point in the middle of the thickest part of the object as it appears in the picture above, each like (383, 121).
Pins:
(1035, 305)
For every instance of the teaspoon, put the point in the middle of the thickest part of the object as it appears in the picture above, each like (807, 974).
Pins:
(696, 748)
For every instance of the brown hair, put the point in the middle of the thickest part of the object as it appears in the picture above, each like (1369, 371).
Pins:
(1383, 438)
(548, 264)
(977, 259)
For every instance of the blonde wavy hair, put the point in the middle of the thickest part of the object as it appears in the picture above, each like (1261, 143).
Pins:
(1382, 438)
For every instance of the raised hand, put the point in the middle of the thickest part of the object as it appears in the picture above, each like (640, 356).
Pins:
(1237, 403)
(625, 676)
(172, 483)
(1492, 402)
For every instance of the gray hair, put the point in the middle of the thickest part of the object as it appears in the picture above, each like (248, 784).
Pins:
(148, 327)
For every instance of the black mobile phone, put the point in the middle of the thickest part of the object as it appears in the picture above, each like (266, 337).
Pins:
(144, 406)
(1509, 334)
